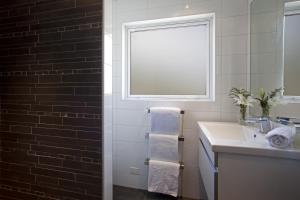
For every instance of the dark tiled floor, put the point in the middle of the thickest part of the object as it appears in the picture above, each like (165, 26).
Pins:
(123, 193)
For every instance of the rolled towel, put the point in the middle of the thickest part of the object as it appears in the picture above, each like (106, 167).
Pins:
(163, 177)
(281, 137)
(165, 120)
(163, 147)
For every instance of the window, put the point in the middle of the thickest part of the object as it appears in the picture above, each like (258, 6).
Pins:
(169, 58)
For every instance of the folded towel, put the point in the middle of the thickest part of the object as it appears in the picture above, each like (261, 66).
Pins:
(165, 120)
(163, 177)
(281, 137)
(163, 147)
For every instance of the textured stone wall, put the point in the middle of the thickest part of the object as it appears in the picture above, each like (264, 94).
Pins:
(51, 99)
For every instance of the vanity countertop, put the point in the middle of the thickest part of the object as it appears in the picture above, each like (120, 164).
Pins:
(229, 137)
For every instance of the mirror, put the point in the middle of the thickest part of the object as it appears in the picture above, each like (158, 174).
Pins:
(275, 46)
(291, 48)
(169, 58)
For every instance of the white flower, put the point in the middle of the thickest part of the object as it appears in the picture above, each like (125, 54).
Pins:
(241, 97)
(242, 100)
(275, 101)
(250, 101)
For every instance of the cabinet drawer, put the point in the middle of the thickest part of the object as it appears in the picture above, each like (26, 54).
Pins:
(208, 173)
(207, 147)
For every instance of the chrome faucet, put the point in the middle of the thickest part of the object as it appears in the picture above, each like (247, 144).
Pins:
(285, 120)
(264, 123)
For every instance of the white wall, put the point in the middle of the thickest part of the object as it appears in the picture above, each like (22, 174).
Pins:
(108, 109)
(266, 44)
(129, 122)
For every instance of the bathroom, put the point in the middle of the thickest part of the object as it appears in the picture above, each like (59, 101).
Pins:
(76, 107)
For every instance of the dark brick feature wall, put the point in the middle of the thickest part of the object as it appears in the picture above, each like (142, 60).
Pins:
(51, 99)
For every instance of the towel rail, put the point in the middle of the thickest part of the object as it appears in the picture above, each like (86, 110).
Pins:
(147, 163)
(180, 150)
(180, 138)
(181, 112)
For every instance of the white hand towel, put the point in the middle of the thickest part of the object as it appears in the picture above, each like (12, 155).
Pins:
(281, 137)
(166, 120)
(163, 177)
(163, 147)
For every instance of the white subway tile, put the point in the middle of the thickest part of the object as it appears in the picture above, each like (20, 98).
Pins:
(227, 105)
(190, 155)
(264, 22)
(131, 155)
(230, 81)
(119, 103)
(164, 4)
(191, 118)
(192, 184)
(266, 6)
(131, 117)
(265, 63)
(237, 25)
(234, 64)
(234, 44)
(121, 6)
(131, 133)
(265, 43)
(230, 116)
(234, 7)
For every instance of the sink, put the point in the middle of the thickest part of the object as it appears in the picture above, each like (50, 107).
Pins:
(232, 132)
(233, 158)
(233, 137)
(226, 131)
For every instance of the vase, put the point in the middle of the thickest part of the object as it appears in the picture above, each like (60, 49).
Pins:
(265, 111)
(243, 110)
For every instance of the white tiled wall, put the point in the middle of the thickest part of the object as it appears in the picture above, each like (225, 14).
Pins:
(108, 102)
(266, 44)
(130, 118)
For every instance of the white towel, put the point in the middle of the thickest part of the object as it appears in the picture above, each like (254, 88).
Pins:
(166, 120)
(163, 177)
(281, 137)
(163, 147)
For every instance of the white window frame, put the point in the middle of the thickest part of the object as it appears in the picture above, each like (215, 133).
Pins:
(185, 21)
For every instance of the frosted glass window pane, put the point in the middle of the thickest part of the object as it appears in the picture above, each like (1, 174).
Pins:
(169, 61)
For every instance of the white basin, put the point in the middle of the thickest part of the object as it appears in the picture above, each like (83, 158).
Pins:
(232, 133)
(233, 137)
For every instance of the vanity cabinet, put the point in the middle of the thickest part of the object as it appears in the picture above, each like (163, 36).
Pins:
(208, 172)
(232, 171)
